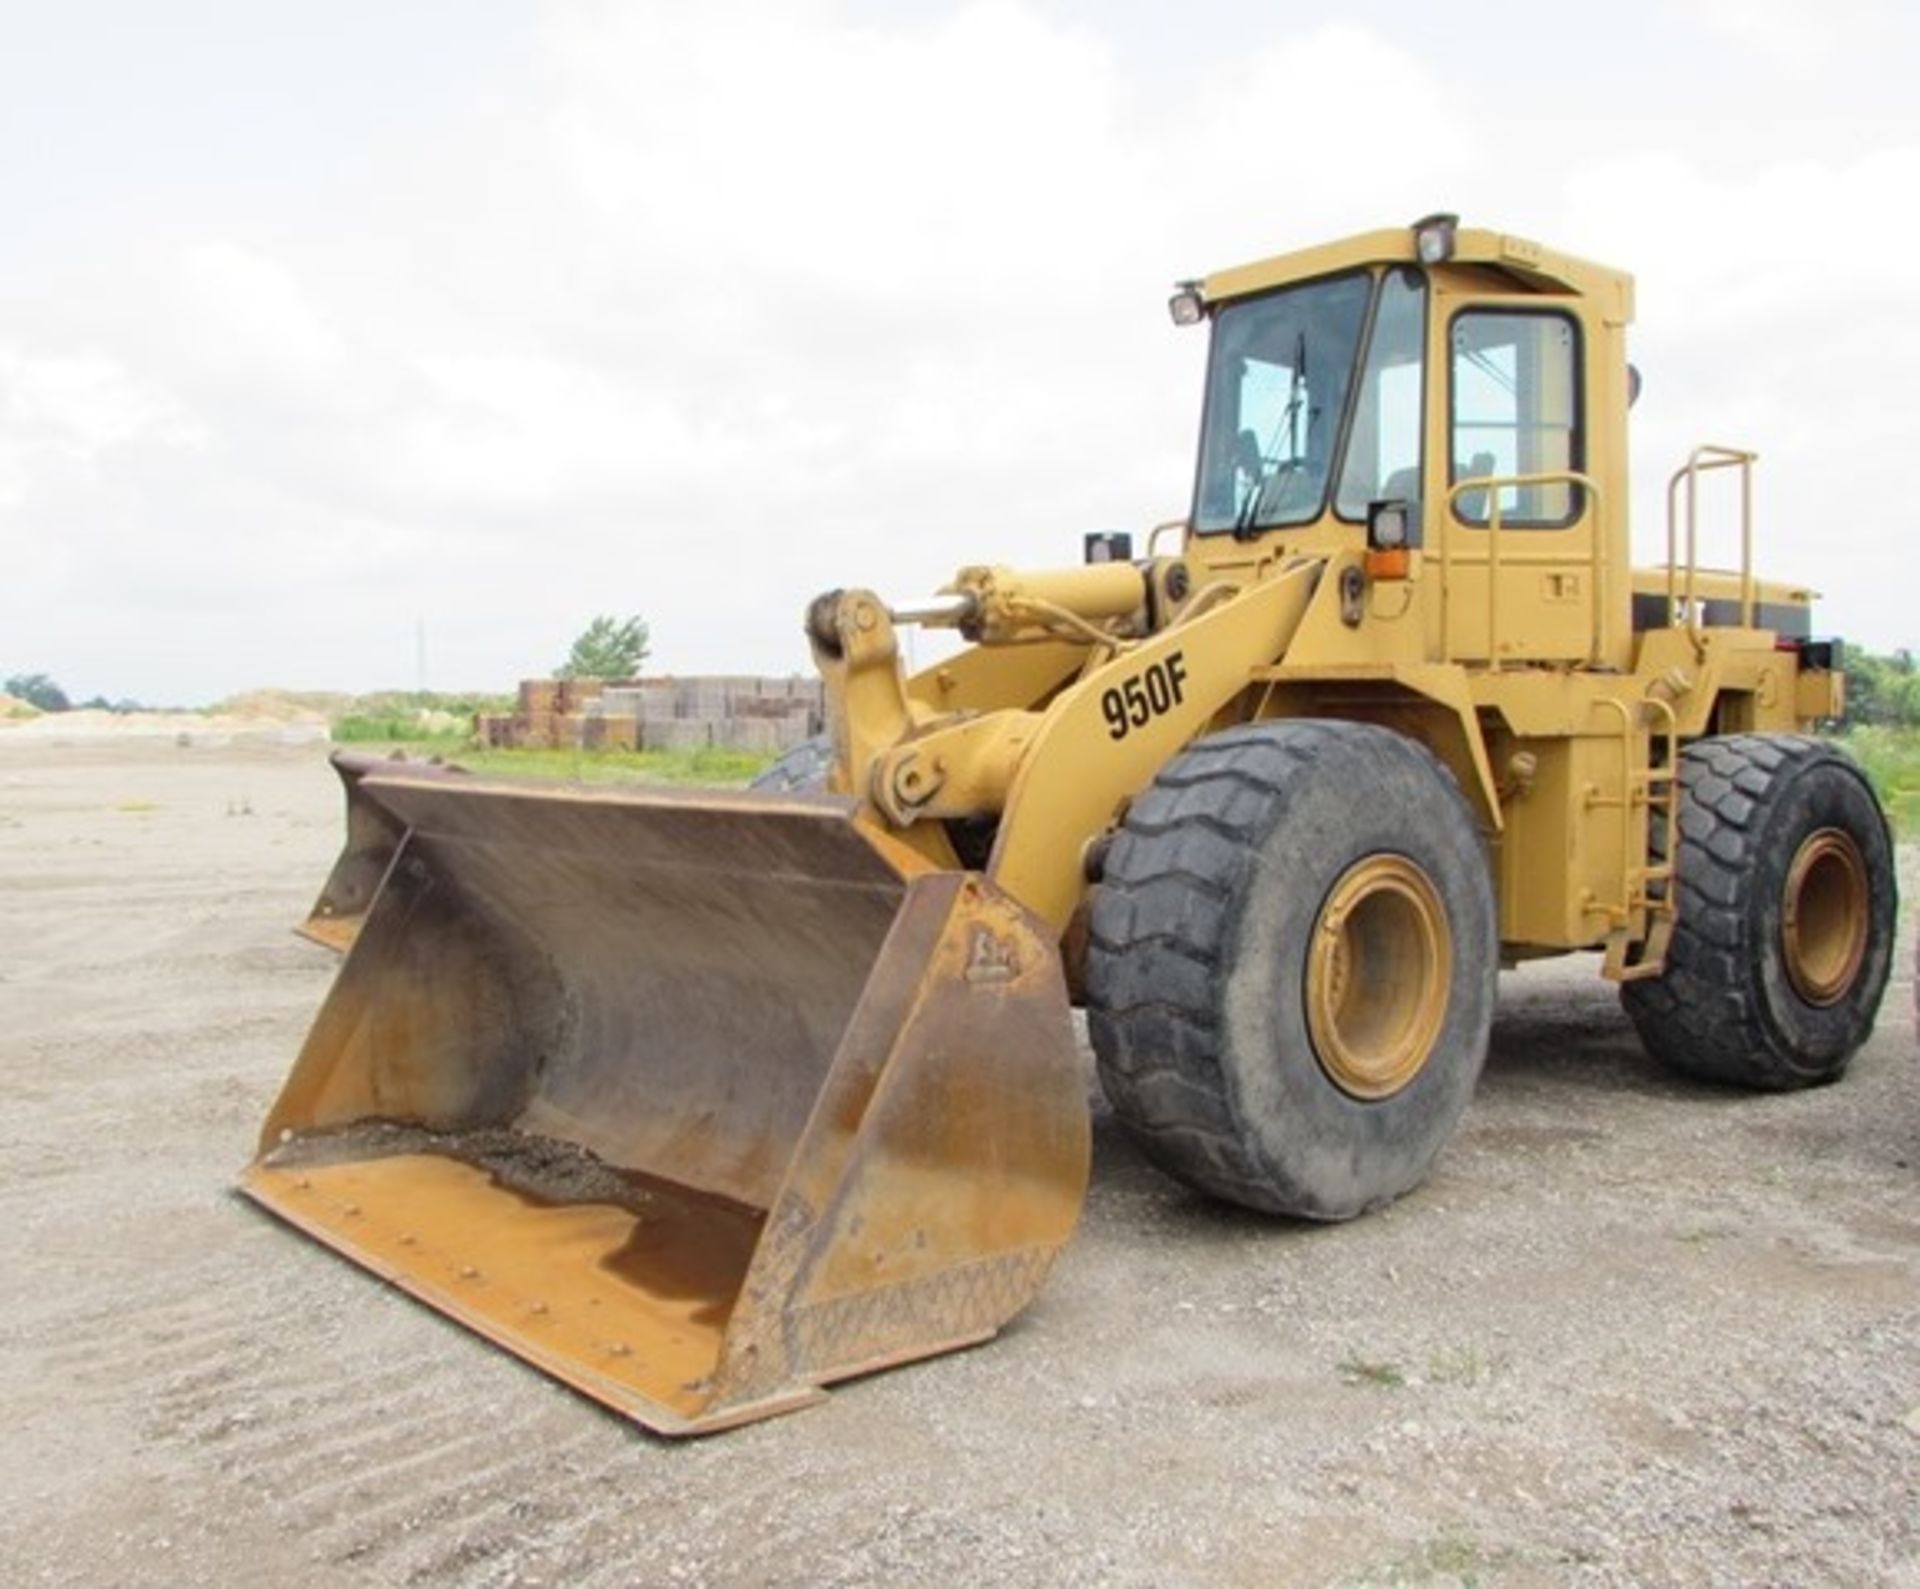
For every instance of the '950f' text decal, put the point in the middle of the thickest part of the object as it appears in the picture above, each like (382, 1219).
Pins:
(1135, 702)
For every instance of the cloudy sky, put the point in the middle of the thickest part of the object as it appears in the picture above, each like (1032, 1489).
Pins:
(324, 326)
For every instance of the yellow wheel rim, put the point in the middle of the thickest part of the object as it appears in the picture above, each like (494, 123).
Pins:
(1378, 971)
(1823, 920)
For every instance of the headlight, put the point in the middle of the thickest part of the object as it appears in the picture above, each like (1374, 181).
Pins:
(1433, 238)
(1387, 526)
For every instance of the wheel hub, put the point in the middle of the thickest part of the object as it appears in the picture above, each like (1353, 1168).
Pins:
(1824, 917)
(1378, 971)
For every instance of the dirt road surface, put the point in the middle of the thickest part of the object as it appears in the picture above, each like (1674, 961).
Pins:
(1634, 1331)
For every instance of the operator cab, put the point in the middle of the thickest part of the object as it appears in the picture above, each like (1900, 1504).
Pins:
(1427, 392)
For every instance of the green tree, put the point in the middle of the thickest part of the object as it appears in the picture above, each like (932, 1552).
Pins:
(36, 689)
(1883, 689)
(608, 648)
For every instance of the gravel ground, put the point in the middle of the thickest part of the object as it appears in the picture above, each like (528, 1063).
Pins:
(1633, 1331)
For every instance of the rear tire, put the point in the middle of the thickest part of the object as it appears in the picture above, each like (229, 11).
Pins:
(1291, 967)
(1784, 930)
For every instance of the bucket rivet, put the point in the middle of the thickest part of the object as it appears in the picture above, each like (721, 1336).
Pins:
(406, 1238)
(303, 1184)
(539, 1307)
(619, 1349)
(468, 1272)
(352, 1210)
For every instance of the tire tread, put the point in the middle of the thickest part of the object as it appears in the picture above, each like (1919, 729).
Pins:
(1696, 1017)
(1161, 940)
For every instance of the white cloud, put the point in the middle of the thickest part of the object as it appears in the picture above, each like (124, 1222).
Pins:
(516, 432)
(1789, 32)
(79, 405)
(949, 158)
(251, 318)
(707, 308)
(70, 425)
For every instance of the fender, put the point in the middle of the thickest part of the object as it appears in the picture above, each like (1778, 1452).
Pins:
(1103, 740)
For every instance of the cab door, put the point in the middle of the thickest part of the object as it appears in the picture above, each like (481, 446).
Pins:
(1519, 575)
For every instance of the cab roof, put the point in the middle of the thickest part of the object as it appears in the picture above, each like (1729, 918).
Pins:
(1533, 266)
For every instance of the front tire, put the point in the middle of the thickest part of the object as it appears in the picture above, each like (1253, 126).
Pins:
(1291, 967)
(1784, 929)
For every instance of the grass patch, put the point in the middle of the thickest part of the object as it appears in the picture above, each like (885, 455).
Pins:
(357, 729)
(1380, 1373)
(138, 805)
(1466, 1365)
(708, 767)
(1891, 758)
(1699, 1236)
(1453, 1555)
(335, 704)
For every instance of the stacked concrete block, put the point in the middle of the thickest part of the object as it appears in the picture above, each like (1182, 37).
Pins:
(795, 730)
(711, 697)
(677, 733)
(736, 711)
(763, 707)
(593, 730)
(757, 734)
(649, 700)
(539, 700)
(572, 696)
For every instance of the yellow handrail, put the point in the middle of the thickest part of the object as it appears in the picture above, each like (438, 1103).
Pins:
(1700, 461)
(1658, 789)
(1493, 485)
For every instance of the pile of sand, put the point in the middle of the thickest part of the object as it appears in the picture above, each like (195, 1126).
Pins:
(89, 725)
(285, 706)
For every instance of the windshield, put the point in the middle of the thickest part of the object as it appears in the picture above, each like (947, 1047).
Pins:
(1278, 386)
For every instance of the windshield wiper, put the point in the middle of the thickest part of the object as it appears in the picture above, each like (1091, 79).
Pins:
(1245, 525)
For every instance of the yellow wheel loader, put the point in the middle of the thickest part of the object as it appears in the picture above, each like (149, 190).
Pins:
(702, 1101)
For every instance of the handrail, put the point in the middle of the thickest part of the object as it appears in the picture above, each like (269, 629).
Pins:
(1702, 460)
(1622, 915)
(1656, 789)
(1154, 534)
(1669, 730)
(1493, 485)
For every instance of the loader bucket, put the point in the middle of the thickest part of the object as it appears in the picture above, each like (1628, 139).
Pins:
(697, 1101)
(373, 834)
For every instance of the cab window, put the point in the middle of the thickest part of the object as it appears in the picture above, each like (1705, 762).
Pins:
(1515, 384)
(1383, 447)
(1277, 391)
